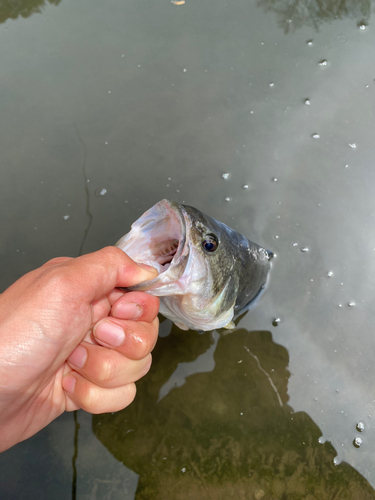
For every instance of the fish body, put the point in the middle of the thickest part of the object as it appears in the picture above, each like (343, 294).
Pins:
(208, 273)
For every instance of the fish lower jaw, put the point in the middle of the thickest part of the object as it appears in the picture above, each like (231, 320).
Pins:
(194, 320)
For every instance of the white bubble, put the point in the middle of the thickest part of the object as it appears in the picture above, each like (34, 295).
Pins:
(225, 176)
(227, 198)
(272, 84)
(330, 274)
(357, 442)
(66, 217)
(360, 426)
(310, 42)
(183, 470)
(307, 102)
(315, 136)
(246, 186)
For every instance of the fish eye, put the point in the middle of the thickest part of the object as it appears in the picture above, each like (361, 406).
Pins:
(210, 243)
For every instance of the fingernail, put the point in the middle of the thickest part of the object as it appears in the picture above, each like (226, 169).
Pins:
(146, 267)
(127, 310)
(78, 357)
(109, 334)
(68, 383)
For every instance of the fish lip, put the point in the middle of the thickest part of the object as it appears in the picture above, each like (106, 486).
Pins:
(177, 209)
(164, 209)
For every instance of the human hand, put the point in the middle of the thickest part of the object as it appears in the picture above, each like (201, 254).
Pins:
(70, 339)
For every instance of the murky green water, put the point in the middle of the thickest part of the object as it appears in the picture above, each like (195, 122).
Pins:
(108, 107)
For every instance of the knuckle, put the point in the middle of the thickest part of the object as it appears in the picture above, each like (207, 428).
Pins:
(106, 371)
(95, 400)
(111, 252)
(154, 331)
(57, 280)
(130, 393)
(88, 399)
(141, 342)
(56, 260)
(143, 337)
(154, 303)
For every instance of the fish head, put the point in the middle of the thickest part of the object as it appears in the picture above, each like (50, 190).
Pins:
(195, 260)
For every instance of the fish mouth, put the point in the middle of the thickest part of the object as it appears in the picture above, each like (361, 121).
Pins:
(158, 239)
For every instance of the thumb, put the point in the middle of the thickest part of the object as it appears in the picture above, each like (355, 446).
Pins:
(96, 274)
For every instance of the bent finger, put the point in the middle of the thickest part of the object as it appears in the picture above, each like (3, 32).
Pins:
(133, 339)
(138, 306)
(107, 368)
(82, 393)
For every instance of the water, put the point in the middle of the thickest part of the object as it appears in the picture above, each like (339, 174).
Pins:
(150, 100)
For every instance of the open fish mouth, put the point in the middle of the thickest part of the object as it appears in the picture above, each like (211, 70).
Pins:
(158, 239)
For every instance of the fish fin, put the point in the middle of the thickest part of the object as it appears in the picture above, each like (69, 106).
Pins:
(230, 325)
(181, 326)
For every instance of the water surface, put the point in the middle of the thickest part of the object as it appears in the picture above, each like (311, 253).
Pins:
(106, 108)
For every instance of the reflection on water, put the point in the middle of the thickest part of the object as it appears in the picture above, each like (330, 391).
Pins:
(293, 14)
(11, 9)
(227, 433)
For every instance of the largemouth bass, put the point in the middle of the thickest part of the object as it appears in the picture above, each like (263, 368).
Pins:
(208, 273)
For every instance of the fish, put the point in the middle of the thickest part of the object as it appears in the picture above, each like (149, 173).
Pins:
(208, 273)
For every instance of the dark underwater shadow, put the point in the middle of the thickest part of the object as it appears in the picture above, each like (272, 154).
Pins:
(228, 433)
(293, 14)
(11, 9)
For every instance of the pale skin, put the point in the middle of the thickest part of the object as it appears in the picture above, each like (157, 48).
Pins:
(70, 339)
